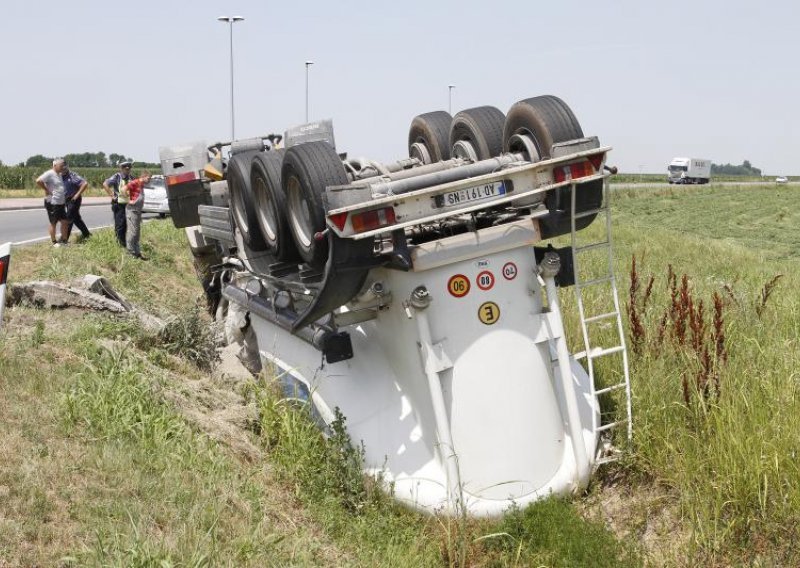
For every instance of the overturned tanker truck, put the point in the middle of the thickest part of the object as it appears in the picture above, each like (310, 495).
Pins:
(419, 298)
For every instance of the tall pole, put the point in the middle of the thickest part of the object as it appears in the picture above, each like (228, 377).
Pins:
(231, 20)
(308, 64)
(450, 98)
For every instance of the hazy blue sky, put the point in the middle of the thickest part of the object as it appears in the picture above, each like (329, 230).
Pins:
(709, 79)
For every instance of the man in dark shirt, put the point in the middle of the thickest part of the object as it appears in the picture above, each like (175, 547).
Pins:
(115, 188)
(74, 186)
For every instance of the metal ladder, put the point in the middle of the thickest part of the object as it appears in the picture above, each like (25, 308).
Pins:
(592, 353)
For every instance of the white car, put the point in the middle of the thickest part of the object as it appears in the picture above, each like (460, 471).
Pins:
(781, 179)
(155, 197)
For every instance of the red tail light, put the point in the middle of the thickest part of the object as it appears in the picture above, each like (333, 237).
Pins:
(375, 219)
(596, 161)
(340, 219)
(181, 178)
(4, 269)
(573, 171)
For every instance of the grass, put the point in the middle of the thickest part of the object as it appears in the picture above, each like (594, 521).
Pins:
(728, 459)
(662, 178)
(98, 469)
(102, 471)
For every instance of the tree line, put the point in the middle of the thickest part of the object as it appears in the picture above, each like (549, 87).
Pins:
(84, 160)
(745, 169)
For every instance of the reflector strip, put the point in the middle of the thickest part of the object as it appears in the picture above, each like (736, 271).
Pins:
(573, 171)
(4, 262)
(181, 178)
(369, 220)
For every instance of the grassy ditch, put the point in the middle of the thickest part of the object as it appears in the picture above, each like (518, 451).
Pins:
(106, 469)
(707, 281)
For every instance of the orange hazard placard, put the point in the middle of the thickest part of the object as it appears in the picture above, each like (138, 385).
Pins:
(489, 313)
(458, 285)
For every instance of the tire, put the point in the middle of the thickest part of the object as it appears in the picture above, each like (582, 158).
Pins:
(265, 179)
(548, 120)
(243, 203)
(431, 130)
(307, 170)
(482, 127)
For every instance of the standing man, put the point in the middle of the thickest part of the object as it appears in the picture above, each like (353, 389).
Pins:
(54, 197)
(116, 190)
(134, 213)
(74, 186)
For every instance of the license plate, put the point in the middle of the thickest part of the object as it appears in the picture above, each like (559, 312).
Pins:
(470, 194)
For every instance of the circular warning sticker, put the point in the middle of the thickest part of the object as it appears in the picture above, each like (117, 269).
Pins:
(489, 313)
(458, 285)
(509, 271)
(485, 280)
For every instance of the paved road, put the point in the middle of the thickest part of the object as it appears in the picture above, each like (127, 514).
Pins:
(29, 225)
(639, 185)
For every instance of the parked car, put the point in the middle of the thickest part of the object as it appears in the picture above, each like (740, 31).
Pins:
(155, 197)
(781, 179)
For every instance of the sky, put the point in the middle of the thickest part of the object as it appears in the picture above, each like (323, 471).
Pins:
(705, 78)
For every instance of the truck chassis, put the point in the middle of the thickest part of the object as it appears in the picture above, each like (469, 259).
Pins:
(415, 298)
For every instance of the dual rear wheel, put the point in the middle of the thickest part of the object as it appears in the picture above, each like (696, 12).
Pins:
(531, 128)
(276, 202)
(475, 134)
(277, 196)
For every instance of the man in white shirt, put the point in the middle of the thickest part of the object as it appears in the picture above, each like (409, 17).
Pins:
(54, 199)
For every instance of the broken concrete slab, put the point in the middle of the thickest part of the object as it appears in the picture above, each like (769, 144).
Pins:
(89, 292)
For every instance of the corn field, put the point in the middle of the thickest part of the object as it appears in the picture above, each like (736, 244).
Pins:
(15, 177)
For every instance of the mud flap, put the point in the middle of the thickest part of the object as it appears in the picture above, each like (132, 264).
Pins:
(349, 262)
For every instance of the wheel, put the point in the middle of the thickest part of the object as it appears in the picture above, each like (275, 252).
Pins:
(429, 137)
(243, 203)
(544, 121)
(307, 170)
(482, 128)
(162, 215)
(265, 178)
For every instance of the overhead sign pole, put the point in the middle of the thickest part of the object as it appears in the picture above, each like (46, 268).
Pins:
(5, 259)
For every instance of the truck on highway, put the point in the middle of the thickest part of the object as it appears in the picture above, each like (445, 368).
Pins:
(422, 297)
(689, 170)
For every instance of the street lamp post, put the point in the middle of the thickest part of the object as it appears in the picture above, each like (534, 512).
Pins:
(231, 20)
(450, 98)
(308, 64)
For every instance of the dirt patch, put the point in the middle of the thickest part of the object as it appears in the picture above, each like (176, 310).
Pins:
(215, 406)
(644, 514)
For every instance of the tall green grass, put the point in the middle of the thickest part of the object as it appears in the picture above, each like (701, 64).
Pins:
(729, 458)
(166, 496)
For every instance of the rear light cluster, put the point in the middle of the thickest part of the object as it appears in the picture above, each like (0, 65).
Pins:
(181, 178)
(366, 220)
(578, 170)
(4, 269)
